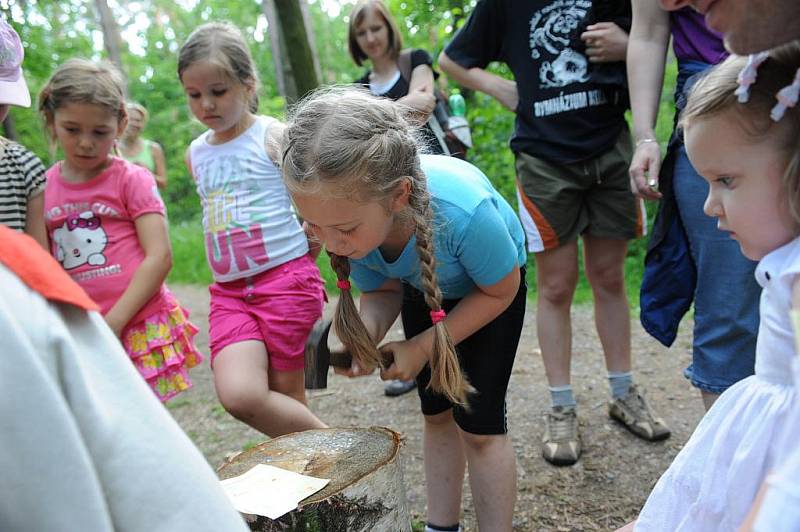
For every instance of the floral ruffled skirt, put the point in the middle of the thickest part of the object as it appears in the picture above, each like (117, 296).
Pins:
(162, 348)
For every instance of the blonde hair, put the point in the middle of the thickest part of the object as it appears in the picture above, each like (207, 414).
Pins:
(714, 94)
(222, 45)
(133, 106)
(83, 81)
(357, 17)
(367, 148)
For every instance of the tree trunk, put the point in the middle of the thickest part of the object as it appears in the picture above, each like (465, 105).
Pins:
(111, 37)
(283, 70)
(292, 32)
(366, 492)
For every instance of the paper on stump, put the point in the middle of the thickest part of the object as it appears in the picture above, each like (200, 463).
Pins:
(270, 491)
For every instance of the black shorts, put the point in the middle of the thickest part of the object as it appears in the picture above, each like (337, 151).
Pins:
(486, 358)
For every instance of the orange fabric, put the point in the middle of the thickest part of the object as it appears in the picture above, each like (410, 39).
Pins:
(37, 269)
(548, 234)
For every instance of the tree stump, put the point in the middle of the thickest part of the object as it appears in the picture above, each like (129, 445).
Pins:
(366, 491)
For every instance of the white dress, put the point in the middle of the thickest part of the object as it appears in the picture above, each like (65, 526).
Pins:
(712, 483)
(780, 509)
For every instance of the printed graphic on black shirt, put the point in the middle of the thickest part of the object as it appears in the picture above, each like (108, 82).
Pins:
(554, 31)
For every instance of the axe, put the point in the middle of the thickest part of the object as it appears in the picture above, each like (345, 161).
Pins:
(318, 358)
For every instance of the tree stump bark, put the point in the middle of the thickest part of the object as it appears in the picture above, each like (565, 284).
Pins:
(366, 491)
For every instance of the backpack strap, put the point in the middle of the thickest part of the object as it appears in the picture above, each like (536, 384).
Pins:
(404, 64)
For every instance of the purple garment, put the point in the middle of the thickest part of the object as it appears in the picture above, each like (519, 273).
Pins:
(693, 40)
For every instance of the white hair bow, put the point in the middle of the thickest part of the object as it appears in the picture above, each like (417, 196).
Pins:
(787, 98)
(747, 76)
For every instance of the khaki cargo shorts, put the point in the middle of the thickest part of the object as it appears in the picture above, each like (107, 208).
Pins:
(559, 202)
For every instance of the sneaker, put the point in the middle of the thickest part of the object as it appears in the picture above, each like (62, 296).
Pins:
(398, 387)
(561, 444)
(633, 411)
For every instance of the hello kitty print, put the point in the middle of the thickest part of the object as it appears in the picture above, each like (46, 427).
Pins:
(92, 226)
(81, 240)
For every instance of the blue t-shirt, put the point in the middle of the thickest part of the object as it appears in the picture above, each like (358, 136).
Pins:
(478, 238)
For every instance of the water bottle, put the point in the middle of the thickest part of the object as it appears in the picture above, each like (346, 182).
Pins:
(457, 123)
(458, 106)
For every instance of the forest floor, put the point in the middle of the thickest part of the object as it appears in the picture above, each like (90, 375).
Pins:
(603, 491)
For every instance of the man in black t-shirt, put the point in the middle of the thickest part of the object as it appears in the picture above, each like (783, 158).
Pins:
(572, 149)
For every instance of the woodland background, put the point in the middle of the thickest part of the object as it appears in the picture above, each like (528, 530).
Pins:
(143, 38)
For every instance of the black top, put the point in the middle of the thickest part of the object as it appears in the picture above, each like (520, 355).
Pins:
(400, 89)
(569, 110)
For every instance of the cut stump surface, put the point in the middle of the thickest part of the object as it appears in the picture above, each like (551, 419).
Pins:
(366, 491)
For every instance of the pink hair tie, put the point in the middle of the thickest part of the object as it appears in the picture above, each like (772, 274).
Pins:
(787, 98)
(438, 315)
(343, 284)
(747, 76)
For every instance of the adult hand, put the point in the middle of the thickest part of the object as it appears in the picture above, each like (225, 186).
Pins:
(424, 100)
(644, 168)
(605, 42)
(409, 359)
(505, 91)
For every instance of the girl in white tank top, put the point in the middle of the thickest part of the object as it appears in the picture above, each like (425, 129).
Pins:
(268, 292)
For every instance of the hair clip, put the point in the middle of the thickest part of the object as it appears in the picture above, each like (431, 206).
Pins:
(747, 76)
(438, 315)
(787, 98)
(343, 284)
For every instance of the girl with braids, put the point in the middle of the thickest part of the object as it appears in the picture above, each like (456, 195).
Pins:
(741, 125)
(267, 292)
(428, 237)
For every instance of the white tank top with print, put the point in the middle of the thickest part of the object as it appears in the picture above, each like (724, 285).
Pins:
(249, 223)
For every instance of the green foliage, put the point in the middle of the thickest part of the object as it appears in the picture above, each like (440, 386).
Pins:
(153, 31)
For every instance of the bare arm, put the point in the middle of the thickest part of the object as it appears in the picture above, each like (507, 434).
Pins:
(501, 89)
(647, 49)
(474, 311)
(160, 172)
(188, 161)
(151, 230)
(420, 95)
(34, 220)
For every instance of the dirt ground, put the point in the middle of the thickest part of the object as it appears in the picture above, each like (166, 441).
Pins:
(604, 490)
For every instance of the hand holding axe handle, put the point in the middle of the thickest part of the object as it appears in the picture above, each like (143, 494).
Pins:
(318, 357)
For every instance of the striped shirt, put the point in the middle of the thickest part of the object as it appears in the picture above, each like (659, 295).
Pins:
(21, 178)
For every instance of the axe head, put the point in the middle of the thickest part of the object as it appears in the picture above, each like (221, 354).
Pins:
(318, 357)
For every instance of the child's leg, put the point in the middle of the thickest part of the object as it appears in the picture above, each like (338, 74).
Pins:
(492, 478)
(241, 377)
(444, 468)
(291, 383)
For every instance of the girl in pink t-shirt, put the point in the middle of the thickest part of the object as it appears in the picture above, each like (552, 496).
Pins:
(106, 224)
(268, 291)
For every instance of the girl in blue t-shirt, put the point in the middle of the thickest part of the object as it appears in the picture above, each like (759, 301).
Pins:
(428, 237)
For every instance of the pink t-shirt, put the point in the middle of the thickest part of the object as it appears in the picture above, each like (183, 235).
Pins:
(92, 230)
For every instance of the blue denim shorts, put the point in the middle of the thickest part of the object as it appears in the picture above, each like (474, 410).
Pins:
(725, 327)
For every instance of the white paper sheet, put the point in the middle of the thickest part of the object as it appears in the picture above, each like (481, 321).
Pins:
(270, 491)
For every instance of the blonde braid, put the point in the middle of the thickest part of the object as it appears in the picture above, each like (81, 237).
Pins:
(347, 321)
(446, 375)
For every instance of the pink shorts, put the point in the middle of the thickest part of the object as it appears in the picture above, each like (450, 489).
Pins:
(278, 307)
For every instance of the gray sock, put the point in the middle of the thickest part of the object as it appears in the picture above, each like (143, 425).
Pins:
(562, 396)
(619, 382)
